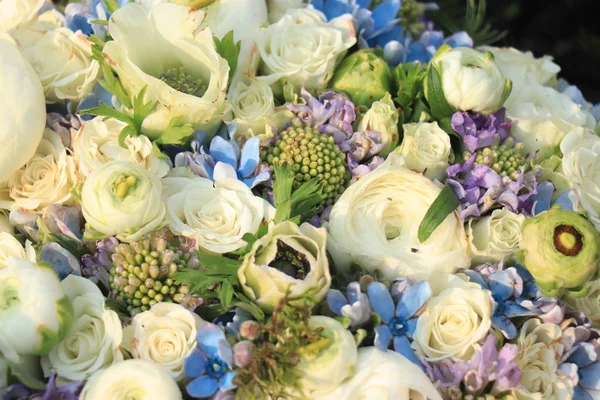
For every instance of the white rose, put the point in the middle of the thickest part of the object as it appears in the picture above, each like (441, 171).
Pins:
(455, 320)
(97, 142)
(542, 117)
(493, 237)
(589, 304)
(14, 13)
(385, 375)
(123, 199)
(426, 149)
(302, 48)
(165, 335)
(93, 341)
(167, 43)
(540, 351)
(5, 225)
(131, 379)
(382, 118)
(11, 247)
(375, 224)
(278, 8)
(215, 214)
(34, 310)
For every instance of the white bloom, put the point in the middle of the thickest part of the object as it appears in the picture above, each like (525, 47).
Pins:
(22, 108)
(165, 335)
(5, 225)
(165, 42)
(11, 247)
(302, 48)
(426, 149)
(123, 199)
(589, 304)
(493, 237)
(34, 310)
(385, 375)
(97, 142)
(375, 224)
(455, 320)
(278, 8)
(216, 214)
(15, 13)
(93, 341)
(131, 379)
(382, 118)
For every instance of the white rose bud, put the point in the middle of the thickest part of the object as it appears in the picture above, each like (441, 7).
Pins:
(426, 149)
(382, 117)
(11, 247)
(165, 335)
(493, 237)
(123, 199)
(589, 304)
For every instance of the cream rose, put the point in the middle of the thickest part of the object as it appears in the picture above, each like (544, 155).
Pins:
(278, 8)
(165, 335)
(426, 149)
(5, 225)
(455, 320)
(131, 379)
(11, 247)
(93, 341)
(97, 142)
(589, 304)
(493, 237)
(376, 220)
(215, 214)
(302, 48)
(382, 118)
(15, 13)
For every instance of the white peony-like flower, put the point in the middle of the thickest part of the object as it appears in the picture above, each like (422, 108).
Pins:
(302, 48)
(15, 13)
(123, 199)
(165, 335)
(131, 379)
(215, 214)
(385, 375)
(493, 237)
(11, 247)
(166, 46)
(93, 341)
(426, 149)
(589, 304)
(278, 8)
(375, 224)
(5, 225)
(382, 118)
(97, 143)
(455, 320)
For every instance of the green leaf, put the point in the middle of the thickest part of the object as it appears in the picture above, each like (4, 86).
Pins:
(140, 109)
(111, 6)
(435, 94)
(177, 132)
(282, 191)
(224, 265)
(73, 246)
(129, 130)
(109, 112)
(102, 22)
(157, 152)
(306, 198)
(444, 205)
(226, 293)
(229, 50)
(247, 305)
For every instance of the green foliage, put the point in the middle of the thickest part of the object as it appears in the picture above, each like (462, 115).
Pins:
(445, 204)
(410, 97)
(229, 50)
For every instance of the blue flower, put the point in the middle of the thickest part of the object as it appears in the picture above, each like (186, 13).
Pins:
(398, 322)
(354, 306)
(583, 367)
(210, 364)
(543, 198)
(79, 16)
(94, 99)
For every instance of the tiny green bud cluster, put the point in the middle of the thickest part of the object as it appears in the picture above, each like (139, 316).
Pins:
(180, 80)
(507, 159)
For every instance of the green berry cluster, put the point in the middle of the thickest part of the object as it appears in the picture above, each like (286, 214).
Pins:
(180, 80)
(506, 159)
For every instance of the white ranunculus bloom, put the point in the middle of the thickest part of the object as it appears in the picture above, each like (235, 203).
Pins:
(382, 118)
(34, 310)
(15, 13)
(123, 199)
(11, 247)
(22, 107)
(165, 335)
(426, 149)
(168, 43)
(589, 304)
(131, 379)
(215, 214)
(542, 117)
(302, 48)
(375, 224)
(93, 341)
(278, 8)
(385, 375)
(97, 142)
(495, 236)
(455, 320)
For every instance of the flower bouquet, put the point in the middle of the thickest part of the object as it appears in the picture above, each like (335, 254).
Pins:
(250, 199)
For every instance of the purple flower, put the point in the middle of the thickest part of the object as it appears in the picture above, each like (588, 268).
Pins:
(18, 391)
(96, 267)
(478, 130)
(354, 305)
(357, 170)
(55, 219)
(64, 126)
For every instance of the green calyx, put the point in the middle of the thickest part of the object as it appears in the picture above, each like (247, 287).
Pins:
(507, 159)
(9, 293)
(180, 80)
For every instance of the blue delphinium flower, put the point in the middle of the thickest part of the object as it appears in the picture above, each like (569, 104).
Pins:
(79, 16)
(354, 305)
(543, 198)
(398, 322)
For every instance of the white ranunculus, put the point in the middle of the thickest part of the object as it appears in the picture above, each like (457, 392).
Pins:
(278, 8)
(15, 13)
(123, 199)
(45, 179)
(131, 379)
(93, 341)
(165, 335)
(589, 304)
(540, 351)
(542, 117)
(302, 48)
(382, 118)
(34, 310)
(455, 320)
(385, 375)
(5, 225)
(167, 42)
(22, 107)
(581, 167)
(375, 224)
(493, 237)
(215, 214)
(97, 142)
(471, 80)
(426, 149)
(11, 247)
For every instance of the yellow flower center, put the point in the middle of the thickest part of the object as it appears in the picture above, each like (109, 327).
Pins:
(123, 186)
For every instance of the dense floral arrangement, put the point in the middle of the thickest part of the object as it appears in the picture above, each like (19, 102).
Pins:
(230, 199)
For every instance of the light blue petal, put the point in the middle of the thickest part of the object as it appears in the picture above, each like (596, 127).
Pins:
(255, 180)
(512, 310)
(385, 13)
(383, 337)
(504, 325)
(402, 346)
(543, 198)
(222, 150)
(336, 300)
(202, 387)
(353, 292)
(317, 4)
(394, 52)
(476, 277)
(223, 171)
(363, 3)
(205, 165)
(413, 299)
(195, 364)
(584, 355)
(63, 262)
(209, 338)
(226, 382)
(580, 394)
(460, 39)
(334, 9)
(250, 157)
(589, 377)
(381, 301)
(411, 325)
(502, 284)
(565, 201)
